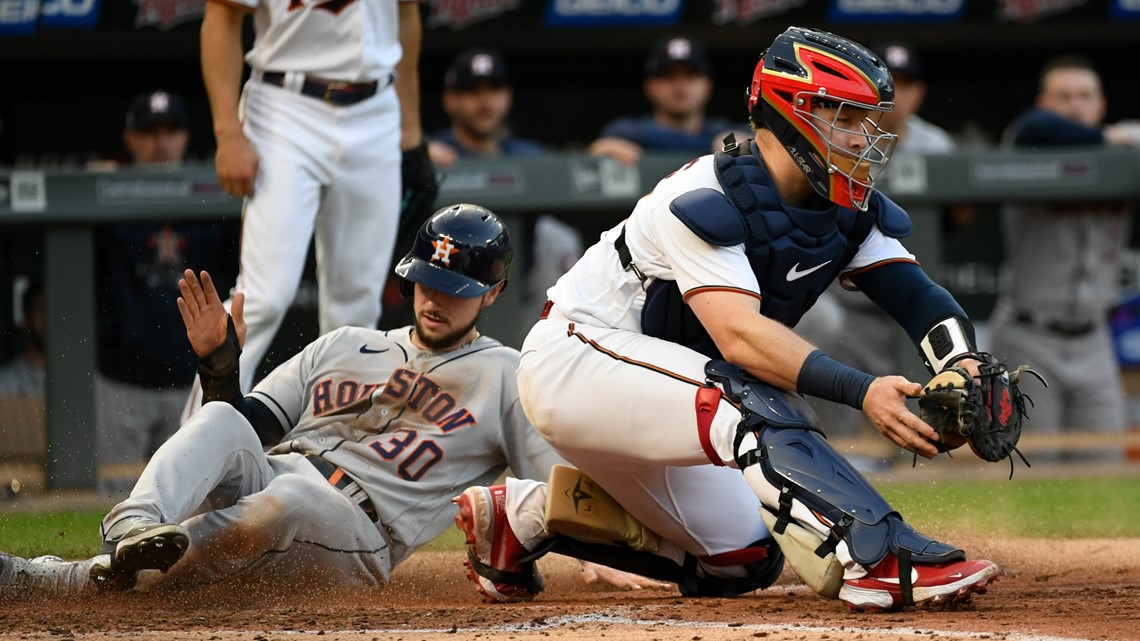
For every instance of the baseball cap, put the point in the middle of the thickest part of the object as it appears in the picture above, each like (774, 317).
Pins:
(677, 51)
(155, 107)
(900, 59)
(474, 66)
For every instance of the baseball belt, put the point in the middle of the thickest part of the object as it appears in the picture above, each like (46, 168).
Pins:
(334, 92)
(1063, 328)
(343, 482)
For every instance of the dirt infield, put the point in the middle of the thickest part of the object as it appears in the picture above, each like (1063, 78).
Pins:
(1048, 591)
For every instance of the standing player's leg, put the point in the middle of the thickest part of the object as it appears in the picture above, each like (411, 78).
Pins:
(356, 226)
(288, 131)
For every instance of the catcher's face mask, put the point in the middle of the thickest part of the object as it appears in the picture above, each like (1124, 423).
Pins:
(849, 143)
(822, 96)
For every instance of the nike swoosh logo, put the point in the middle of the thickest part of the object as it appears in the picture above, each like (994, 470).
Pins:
(795, 274)
(364, 350)
(895, 580)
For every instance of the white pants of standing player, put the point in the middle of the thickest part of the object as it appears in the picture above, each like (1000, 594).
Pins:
(327, 173)
(621, 407)
(270, 517)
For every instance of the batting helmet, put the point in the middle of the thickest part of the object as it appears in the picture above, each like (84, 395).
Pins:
(806, 68)
(462, 250)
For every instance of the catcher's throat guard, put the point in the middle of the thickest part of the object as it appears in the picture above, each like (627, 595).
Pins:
(803, 482)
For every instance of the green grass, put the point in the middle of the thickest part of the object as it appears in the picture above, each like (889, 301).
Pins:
(1062, 508)
(71, 535)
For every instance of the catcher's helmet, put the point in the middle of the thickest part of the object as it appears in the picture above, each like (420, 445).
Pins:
(462, 250)
(807, 68)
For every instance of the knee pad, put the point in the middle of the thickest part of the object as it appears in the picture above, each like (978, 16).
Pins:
(761, 405)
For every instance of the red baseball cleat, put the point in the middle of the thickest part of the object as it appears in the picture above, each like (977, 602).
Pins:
(496, 561)
(931, 585)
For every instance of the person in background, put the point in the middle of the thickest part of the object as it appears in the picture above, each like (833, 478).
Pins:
(678, 86)
(145, 363)
(319, 141)
(477, 98)
(1062, 261)
(24, 374)
(23, 439)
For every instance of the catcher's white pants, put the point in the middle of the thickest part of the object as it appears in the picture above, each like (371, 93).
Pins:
(621, 407)
(251, 515)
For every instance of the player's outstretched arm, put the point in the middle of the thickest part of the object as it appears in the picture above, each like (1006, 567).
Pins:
(205, 316)
(592, 573)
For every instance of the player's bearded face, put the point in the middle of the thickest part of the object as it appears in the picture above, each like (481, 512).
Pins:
(443, 321)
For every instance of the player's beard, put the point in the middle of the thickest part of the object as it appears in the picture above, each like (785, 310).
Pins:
(444, 341)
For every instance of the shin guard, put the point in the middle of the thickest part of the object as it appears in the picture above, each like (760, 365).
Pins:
(805, 481)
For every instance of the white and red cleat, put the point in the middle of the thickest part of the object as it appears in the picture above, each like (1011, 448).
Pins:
(495, 559)
(932, 585)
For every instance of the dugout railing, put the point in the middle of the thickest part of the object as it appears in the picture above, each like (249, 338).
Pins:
(67, 205)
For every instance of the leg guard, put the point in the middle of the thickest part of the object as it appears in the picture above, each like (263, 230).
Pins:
(762, 562)
(582, 510)
(805, 481)
(590, 525)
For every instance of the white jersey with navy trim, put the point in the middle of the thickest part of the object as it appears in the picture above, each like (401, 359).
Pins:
(412, 427)
(598, 291)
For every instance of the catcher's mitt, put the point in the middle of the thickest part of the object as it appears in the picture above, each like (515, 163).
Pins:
(985, 412)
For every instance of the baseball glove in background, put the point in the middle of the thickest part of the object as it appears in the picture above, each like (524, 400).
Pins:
(420, 188)
(985, 412)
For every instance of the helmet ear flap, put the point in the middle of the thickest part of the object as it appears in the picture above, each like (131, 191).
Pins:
(407, 288)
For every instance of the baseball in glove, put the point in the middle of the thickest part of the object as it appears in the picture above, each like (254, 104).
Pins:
(985, 412)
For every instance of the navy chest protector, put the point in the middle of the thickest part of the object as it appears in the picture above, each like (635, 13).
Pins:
(795, 255)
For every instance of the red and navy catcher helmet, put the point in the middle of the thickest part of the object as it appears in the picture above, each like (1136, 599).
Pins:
(807, 68)
(462, 250)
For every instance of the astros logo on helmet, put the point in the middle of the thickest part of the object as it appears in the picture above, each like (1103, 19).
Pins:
(443, 250)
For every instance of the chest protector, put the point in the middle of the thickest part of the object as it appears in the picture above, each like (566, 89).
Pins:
(795, 253)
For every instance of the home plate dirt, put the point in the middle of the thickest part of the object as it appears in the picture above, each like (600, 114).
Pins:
(1049, 590)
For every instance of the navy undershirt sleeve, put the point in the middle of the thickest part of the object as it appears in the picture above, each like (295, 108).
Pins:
(908, 295)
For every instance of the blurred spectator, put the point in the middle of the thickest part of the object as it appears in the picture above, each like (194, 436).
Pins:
(23, 439)
(847, 325)
(915, 134)
(145, 362)
(1062, 261)
(678, 86)
(477, 98)
(24, 374)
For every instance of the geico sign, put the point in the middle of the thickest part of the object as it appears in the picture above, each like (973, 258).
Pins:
(69, 8)
(616, 7)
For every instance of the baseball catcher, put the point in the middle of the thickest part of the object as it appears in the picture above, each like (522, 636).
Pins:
(983, 409)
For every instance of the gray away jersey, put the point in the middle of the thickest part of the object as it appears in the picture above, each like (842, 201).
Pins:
(412, 427)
